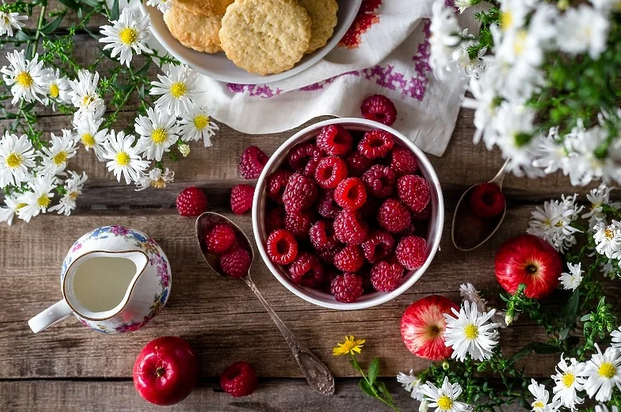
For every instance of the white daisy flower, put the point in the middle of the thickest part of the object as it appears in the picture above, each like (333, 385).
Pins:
(616, 338)
(9, 210)
(552, 223)
(513, 14)
(572, 279)
(73, 189)
(444, 38)
(583, 29)
(123, 157)
(608, 240)
(87, 132)
(156, 178)
(411, 383)
(177, 90)
(84, 95)
(485, 102)
(10, 21)
(604, 408)
(197, 125)
(469, 293)
(16, 157)
(162, 5)
(158, 131)
(471, 333)
(598, 197)
(25, 77)
(127, 35)
(569, 380)
(38, 199)
(551, 153)
(55, 157)
(603, 373)
(57, 87)
(606, 5)
(444, 399)
(542, 397)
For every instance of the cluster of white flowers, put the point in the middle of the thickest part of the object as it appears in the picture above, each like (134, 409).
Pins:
(443, 399)
(10, 21)
(553, 222)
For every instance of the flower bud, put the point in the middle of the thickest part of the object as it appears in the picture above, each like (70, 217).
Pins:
(184, 149)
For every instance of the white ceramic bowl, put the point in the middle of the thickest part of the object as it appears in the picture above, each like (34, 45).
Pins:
(218, 67)
(324, 299)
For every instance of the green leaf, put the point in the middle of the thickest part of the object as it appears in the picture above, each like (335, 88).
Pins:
(23, 36)
(92, 3)
(569, 313)
(374, 370)
(366, 388)
(537, 347)
(143, 69)
(72, 4)
(384, 391)
(114, 11)
(53, 25)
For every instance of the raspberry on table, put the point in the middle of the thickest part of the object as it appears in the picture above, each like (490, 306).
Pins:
(487, 200)
(357, 164)
(300, 193)
(334, 140)
(350, 193)
(192, 201)
(347, 287)
(299, 223)
(307, 270)
(274, 219)
(393, 216)
(379, 245)
(252, 162)
(303, 158)
(403, 161)
(236, 262)
(241, 199)
(282, 248)
(350, 228)
(219, 238)
(321, 235)
(349, 259)
(239, 380)
(380, 181)
(414, 191)
(330, 172)
(376, 143)
(380, 109)
(326, 206)
(276, 183)
(386, 277)
(411, 252)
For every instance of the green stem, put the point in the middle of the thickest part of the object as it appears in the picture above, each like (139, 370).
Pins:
(38, 35)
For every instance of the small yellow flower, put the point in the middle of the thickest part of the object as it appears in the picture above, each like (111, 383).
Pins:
(350, 346)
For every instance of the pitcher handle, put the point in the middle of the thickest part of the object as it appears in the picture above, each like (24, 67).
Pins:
(52, 315)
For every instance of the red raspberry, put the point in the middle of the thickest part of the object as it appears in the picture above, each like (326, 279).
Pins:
(300, 193)
(379, 180)
(219, 238)
(239, 380)
(241, 199)
(235, 263)
(282, 248)
(487, 200)
(299, 223)
(424, 215)
(327, 255)
(321, 235)
(411, 252)
(414, 191)
(393, 216)
(379, 108)
(326, 206)
(350, 194)
(376, 143)
(334, 140)
(403, 161)
(274, 219)
(191, 202)
(303, 158)
(350, 228)
(307, 270)
(347, 287)
(276, 183)
(251, 162)
(357, 164)
(386, 277)
(349, 259)
(330, 171)
(380, 245)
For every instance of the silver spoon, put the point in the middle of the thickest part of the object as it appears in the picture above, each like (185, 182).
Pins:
(316, 373)
(469, 231)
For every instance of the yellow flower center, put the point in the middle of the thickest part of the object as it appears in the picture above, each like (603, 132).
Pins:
(158, 184)
(88, 140)
(609, 234)
(471, 331)
(43, 201)
(20, 205)
(88, 99)
(178, 90)
(607, 370)
(159, 136)
(73, 195)
(60, 158)
(520, 42)
(568, 379)
(506, 19)
(13, 160)
(445, 403)
(54, 90)
(538, 404)
(128, 36)
(201, 121)
(122, 158)
(24, 79)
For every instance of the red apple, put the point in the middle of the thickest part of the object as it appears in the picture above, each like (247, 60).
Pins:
(423, 326)
(529, 260)
(165, 371)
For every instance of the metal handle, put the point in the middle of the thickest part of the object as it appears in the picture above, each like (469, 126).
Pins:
(500, 176)
(316, 373)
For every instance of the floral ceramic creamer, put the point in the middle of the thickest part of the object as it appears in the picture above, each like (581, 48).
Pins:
(114, 279)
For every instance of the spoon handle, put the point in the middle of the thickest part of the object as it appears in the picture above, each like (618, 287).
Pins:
(500, 176)
(316, 373)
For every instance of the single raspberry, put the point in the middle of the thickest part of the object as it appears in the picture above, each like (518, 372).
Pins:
(327, 255)
(424, 215)
(303, 158)
(299, 223)
(251, 162)
(330, 171)
(487, 200)
(219, 238)
(403, 161)
(357, 164)
(274, 219)
(276, 183)
(282, 248)
(191, 202)
(350, 193)
(380, 245)
(347, 287)
(376, 143)
(326, 206)
(411, 252)
(300, 193)
(241, 199)
(321, 235)
(380, 180)
(307, 270)
(239, 380)
(334, 140)
(386, 277)
(379, 108)
(414, 191)
(393, 216)
(235, 263)
(350, 228)
(349, 259)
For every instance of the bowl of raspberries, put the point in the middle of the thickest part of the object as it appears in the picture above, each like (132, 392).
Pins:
(348, 213)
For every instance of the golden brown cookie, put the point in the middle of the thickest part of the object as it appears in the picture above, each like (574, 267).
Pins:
(195, 31)
(208, 8)
(265, 36)
(323, 16)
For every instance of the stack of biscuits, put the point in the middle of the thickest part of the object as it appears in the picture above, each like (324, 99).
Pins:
(260, 36)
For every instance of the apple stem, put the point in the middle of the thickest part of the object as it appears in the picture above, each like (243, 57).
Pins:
(159, 372)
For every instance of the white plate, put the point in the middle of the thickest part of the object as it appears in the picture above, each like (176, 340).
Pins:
(218, 67)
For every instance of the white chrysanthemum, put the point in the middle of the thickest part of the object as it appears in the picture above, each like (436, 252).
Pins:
(73, 189)
(604, 408)
(177, 89)
(542, 398)
(551, 153)
(569, 381)
(608, 240)
(10, 21)
(582, 145)
(583, 29)
(485, 102)
(9, 210)
(57, 88)
(603, 373)
(444, 38)
(87, 132)
(156, 178)
(38, 198)
(513, 14)
(469, 293)
(25, 77)
(469, 332)
(197, 125)
(158, 131)
(123, 157)
(127, 35)
(552, 223)
(616, 338)
(606, 5)
(572, 279)
(598, 197)
(444, 399)
(56, 156)
(16, 157)
(84, 95)
(162, 5)
(411, 383)
(460, 58)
